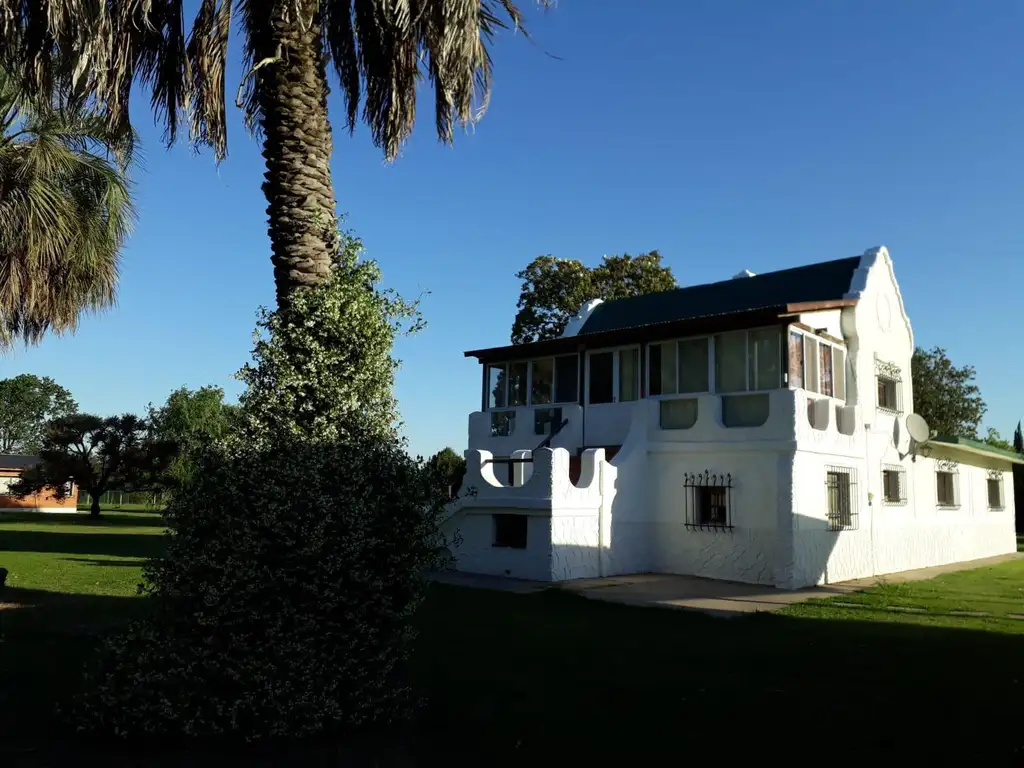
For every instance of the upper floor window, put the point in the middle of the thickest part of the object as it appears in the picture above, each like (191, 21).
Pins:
(890, 386)
(533, 382)
(678, 367)
(817, 365)
(614, 376)
(747, 361)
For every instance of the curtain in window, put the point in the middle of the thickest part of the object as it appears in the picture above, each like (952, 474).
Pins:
(731, 362)
(629, 375)
(839, 374)
(826, 370)
(811, 365)
(796, 360)
(693, 365)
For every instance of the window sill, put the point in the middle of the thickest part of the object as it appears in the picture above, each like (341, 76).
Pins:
(948, 506)
(709, 527)
(997, 509)
(890, 411)
(894, 502)
(507, 546)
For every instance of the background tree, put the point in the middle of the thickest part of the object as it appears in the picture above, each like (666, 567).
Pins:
(993, 438)
(27, 403)
(946, 396)
(380, 52)
(192, 420)
(65, 211)
(450, 469)
(1018, 440)
(97, 454)
(554, 289)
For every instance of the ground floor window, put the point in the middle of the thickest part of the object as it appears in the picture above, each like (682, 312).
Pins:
(994, 484)
(510, 531)
(707, 498)
(946, 491)
(840, 491)
(894, 484)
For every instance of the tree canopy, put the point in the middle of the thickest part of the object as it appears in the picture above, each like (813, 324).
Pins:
(554, 289)
(65, 210)
(450, 468)
(191, 420)
(945, 395)
(27, 403)
(97, 454)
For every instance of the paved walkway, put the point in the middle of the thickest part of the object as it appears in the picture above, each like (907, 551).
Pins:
(720, 598)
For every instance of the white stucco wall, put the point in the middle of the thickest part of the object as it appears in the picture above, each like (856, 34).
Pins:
(627, 515)
(524, 437)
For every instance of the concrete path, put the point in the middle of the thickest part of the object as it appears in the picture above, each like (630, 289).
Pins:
(720, 598)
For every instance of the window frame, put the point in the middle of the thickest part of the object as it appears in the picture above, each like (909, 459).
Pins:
(697, 486)
(709, 338)
(783, 360)
(819, 342)
(893, 374)
(835, 518)
(616, 370)
(995, 476)
(529, 382)
(948, 468)
(901, 485)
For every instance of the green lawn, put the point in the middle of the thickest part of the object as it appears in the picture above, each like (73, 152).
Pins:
(553, 677)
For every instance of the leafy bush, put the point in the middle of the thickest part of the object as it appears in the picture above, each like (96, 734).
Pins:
(296, 557)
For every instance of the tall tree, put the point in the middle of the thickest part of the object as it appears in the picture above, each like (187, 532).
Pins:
(65, 210)
(449, 468)
(945, 395)
(993, 438)
(192, 420)
(27, 403)
(97, 454)
(1018, 440)
(380, 52)
(554, 289)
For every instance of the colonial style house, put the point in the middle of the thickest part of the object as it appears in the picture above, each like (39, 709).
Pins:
(758, 429)
(11, 467)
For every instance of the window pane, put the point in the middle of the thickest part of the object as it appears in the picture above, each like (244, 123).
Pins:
(766, 348)
(496, 381)
(796, 360)
(826, 370)
(839, 372)
(567, 379)
(693, 365)
(517, 376)
(811, 365)
(662, 373)
(543, 381)
(601, 368)
(731, 362)
(629, 375)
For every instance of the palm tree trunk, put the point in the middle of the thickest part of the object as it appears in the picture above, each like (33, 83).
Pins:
(297, 149)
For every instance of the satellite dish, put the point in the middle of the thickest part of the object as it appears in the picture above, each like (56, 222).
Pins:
(918, 428)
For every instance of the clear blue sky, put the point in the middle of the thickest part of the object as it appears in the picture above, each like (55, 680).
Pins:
(729, 135)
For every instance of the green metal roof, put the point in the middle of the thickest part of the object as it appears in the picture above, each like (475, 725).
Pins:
(827, 281)
(977, 446)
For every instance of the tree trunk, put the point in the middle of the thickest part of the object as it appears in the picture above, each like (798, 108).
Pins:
(296, 147)
(94, 508)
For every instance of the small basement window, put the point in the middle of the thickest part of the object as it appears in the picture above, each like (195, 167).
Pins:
(995, 492)
(707, 498)
(510, 531)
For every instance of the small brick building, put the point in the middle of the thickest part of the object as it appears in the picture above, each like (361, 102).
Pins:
(11, 467)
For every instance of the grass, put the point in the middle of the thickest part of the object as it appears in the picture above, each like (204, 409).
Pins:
(514, 679)
(83, 506)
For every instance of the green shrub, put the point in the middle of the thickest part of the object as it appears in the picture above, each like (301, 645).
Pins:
(283, 605)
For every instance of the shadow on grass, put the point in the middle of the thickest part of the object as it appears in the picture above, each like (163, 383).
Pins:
(116, 544)
(103, 562)
(515, 679)
(107, 520)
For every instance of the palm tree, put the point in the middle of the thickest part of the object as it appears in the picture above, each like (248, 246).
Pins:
(65, 211)
(380, 50)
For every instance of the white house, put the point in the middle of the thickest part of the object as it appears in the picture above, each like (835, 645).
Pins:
(753, 430)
